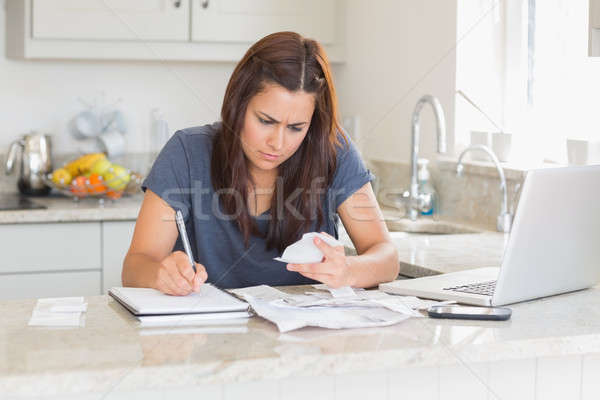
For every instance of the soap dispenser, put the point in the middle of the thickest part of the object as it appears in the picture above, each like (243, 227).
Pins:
(425, 185)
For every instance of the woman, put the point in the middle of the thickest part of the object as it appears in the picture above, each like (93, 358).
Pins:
(278, 165)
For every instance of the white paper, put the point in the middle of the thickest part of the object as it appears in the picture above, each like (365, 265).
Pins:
(65, 311)
(304, 251)
(320, 308)
(288, 318)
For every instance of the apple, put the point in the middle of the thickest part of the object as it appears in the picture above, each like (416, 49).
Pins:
(100, 166)
(61, 176)
(117, 177)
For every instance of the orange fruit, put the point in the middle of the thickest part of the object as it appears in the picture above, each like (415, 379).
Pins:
(95, 184)
(78, 186)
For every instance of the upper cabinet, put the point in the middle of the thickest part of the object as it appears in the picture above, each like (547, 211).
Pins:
(247, 21)
(594, 29)
(163, 30)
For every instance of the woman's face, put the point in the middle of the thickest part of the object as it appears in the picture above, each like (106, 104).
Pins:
(275, 124)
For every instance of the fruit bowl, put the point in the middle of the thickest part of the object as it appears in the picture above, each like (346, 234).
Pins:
(93, 175)
(99, 190)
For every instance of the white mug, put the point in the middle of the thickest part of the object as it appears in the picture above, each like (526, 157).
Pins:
(84, 125)
(112, 143)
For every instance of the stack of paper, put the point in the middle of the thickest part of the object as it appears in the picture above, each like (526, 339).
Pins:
(64, 311)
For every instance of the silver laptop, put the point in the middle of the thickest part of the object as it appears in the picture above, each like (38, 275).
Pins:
(554, 246)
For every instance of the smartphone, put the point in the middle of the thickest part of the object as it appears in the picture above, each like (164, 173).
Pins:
(467, 312)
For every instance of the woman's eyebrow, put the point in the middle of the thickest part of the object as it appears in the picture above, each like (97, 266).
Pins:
(268, 117)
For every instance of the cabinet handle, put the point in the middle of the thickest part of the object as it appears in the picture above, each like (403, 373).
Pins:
(177, 3)
(204, 4)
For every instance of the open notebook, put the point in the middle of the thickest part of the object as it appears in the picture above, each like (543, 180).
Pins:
(210, 303)
(553, 247)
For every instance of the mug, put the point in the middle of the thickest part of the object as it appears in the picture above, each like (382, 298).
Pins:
(112, 143)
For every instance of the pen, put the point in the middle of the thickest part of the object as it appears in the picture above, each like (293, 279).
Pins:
(184, 237)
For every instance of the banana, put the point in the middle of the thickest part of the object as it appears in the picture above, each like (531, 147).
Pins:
(83, 164)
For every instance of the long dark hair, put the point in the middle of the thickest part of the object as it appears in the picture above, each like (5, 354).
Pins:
(297, 64)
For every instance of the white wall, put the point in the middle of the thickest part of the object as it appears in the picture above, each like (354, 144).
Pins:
(397, 52)
(42, 95)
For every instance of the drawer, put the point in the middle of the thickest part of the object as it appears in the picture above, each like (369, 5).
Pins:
(50, 247)
(55, 284)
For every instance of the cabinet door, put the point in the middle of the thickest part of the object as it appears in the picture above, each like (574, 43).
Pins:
(116, 238)
(28, 248)
(50, 284)
(133, 20)
(244, 21)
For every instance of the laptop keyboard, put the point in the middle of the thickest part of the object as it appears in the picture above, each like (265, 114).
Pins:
(483, 288)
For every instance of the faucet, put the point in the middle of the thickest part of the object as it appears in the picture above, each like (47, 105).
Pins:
(504, 220)
(423, 202)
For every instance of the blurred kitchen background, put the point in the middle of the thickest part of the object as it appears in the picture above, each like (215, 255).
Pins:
(524, 63)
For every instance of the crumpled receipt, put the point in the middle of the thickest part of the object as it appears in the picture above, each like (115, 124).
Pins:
(321, 308)
(304, 251)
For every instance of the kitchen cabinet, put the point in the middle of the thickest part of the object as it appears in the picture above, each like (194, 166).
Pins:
(62, 259)
(109, 20)
(594, 29)
(164, 30)
(50, 260)
(116, 238)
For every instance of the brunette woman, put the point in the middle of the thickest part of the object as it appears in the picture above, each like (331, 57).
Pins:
(276, 166)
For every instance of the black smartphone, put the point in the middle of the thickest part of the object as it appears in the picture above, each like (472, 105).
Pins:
(467, 312)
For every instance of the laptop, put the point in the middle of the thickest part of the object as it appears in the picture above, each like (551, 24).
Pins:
(553, 248)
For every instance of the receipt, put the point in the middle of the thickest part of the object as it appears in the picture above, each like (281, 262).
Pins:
(304, 251)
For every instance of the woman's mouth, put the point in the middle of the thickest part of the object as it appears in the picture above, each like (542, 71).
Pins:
(269, 156)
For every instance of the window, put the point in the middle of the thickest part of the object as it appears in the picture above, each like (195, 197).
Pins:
(546, 89)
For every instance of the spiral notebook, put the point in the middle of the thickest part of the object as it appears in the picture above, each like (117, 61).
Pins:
(211, 301)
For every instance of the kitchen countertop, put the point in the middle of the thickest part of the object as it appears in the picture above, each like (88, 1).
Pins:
(111, 353)
(60, 208)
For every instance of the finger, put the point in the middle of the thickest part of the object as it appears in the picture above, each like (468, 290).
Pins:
(328, 250)
(183, 264)
(200, 277)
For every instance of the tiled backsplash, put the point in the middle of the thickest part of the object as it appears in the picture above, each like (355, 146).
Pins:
(474, 198)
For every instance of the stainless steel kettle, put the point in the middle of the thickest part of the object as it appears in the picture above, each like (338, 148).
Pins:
(36, 160)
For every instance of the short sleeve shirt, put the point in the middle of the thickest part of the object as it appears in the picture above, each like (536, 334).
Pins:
(181, 176)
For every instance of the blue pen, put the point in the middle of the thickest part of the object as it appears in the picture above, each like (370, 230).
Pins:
(184, 237)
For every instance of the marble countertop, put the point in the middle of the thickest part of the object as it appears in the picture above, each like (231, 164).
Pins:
(112, 353)
(60, 208)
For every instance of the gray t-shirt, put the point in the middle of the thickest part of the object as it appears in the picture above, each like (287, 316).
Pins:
(181, 176)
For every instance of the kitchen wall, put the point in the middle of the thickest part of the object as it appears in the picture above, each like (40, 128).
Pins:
(397, 51)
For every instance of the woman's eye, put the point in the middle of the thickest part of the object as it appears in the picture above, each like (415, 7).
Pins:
(264, 121)
(295, 129)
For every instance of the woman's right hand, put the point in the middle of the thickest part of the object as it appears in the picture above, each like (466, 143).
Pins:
(175, 275)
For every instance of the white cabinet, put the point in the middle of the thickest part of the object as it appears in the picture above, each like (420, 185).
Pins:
(110, 20)
(164, 30)
(62, 259)
(116, 238)
(594, 29)
(247, 21)
(47, 260)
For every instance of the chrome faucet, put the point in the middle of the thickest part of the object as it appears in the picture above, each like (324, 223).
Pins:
(504, 220)
(423, 201)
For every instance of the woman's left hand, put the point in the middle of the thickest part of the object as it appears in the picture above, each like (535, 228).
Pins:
(333, 270)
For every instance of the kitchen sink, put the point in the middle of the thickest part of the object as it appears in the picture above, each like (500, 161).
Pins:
(428, 226)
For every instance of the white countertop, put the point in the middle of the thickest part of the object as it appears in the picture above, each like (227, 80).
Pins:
(111, 353)
(60, 208)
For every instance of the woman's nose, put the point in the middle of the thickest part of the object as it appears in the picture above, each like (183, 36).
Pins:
(275, 140)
